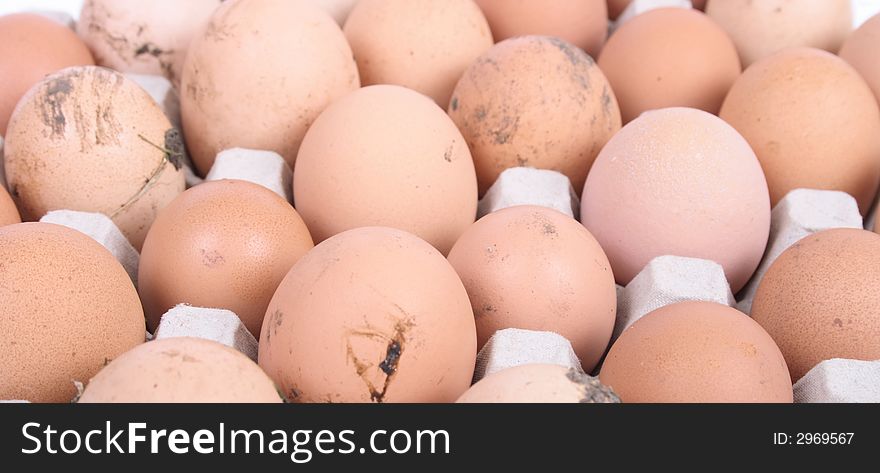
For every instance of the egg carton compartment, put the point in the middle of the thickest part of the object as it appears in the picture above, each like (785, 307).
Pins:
(219, 325)
(265, 168)
(515, 347)
(530, 186)
(838, 381)
(64, 17)
(101, 229)
(667, 280)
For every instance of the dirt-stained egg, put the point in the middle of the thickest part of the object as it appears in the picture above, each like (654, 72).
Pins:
(538, 383)
(821, 299)
(8, 211)
(222, 244)
(534, 101)
(259, 75)
(143, 37)
(32, 46)
(694, 188)
(181, 370)
(669, 57)
(534, 268)
(583, 23)
(402, 164)
(860, 51)
(696, 352)
(370, 315)
(67, 308)
(762, 28)
(89, 139)
(424, 45)
(812, 121)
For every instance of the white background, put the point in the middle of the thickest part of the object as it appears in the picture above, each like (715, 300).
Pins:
(862, 9)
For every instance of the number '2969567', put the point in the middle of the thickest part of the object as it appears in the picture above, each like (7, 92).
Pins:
(813, 438)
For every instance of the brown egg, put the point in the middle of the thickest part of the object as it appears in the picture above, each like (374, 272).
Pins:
(678, 181)
(424, 45)
(583, 23)
(669, 57)
(696, 352)
(370, 315)
(860, 51)
(259, 75)
(181, 370)
(402, 164)
(89, 139)
(821, 299)
(8, 212)
(222, 244)
(538, 384)
(143, 37)
(31, 47)
(534, 268)
(762, 28)
(534, 101)
(812, 121)
(66, 309)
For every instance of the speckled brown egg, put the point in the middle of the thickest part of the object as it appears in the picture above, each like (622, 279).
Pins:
(812, 121)
(534, 268)
(89, 139)
(370, 315)
(669, 57)
(762, 28)
(860, 51)
(537, 383)
(32, 46)
(424, 45)
(259, 75)
(67, 308)
(534, 101)
(143, 37)
(222, 244)
(181, 370)
(583, 23)
(8, 212)
(821, 299)
(696, 352)
(402, 164)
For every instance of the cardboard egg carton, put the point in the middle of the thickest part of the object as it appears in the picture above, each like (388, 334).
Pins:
(104, 231)
(265, 168)
(668, 280)
(840, 380)
(514, 347)
(637, 7)
(802, 212)
(530, 186)
(63, 17)
(219, 325)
